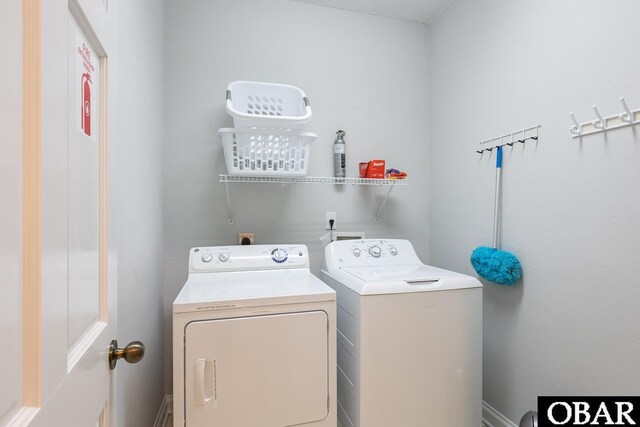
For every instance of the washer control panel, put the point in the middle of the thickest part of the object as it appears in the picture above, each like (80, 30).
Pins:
(373, 248)
(371, 252)
(242, 258)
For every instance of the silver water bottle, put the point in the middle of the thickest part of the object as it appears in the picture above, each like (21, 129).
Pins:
(339, 152)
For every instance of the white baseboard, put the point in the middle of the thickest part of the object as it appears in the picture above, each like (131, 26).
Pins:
(492, 418)
(165, 411)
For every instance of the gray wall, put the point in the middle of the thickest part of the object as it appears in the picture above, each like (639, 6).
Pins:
(363, 74)
(139, 147)
(570, 207)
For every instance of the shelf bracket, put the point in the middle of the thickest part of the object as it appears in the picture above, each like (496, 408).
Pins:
(229, 213)
(384, 202)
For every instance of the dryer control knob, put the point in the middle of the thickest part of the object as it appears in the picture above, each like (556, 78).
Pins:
(393, 251)
(223, 257)
(207, 257)
(375, 251)
(356, 252)
(279, 255)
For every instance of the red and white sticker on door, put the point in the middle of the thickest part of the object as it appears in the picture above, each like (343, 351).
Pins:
(87, 84)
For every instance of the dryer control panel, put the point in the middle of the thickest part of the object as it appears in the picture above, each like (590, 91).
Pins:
(212, 259)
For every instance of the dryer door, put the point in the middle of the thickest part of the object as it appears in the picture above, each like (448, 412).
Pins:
(261, 371)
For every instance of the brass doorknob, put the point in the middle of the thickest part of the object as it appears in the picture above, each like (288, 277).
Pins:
(132, 353)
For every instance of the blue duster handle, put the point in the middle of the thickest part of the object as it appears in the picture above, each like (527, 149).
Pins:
(496, 209)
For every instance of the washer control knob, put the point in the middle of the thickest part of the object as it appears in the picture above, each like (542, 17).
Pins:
(207, 257)
(356, 252)
(375, 251)
(223, 257)
(393, 251)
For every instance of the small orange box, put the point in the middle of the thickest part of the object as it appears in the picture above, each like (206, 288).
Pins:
(372, 169)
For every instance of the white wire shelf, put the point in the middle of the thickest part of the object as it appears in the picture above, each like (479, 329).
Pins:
(312, 180)
(372, 182)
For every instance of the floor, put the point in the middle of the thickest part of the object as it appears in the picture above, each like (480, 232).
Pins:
(170, 423)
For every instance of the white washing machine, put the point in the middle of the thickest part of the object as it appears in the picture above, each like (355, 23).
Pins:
(254, 340)
(409, 338)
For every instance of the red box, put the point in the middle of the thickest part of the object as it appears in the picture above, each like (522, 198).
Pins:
(372, 169)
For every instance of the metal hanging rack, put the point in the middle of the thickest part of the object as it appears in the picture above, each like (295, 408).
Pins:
(521, 136)
(391, 183)
(603, 124)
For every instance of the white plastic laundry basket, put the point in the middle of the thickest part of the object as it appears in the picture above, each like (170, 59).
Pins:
(257, 104)
(266, 152)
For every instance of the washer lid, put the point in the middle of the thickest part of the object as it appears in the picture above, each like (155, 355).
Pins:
(220, 291)
(406, 278)
(407, 273)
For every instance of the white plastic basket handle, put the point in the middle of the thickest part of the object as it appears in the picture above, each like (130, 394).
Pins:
(307, 103)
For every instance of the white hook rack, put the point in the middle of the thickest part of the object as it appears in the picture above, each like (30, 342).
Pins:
(603, 124)
(509, 139)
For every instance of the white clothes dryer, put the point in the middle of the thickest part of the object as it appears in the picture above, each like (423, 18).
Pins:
(254, 340)
(409, 337)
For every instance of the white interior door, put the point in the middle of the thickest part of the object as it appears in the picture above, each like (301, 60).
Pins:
(58, 263)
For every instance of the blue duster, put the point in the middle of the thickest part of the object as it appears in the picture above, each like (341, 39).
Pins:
(496, 266)
(492, 264)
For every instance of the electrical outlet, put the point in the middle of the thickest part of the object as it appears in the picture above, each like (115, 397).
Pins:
(246, 238)
(330, 216)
